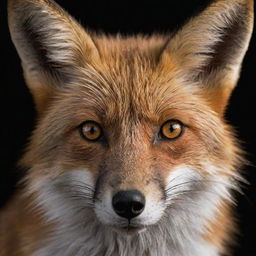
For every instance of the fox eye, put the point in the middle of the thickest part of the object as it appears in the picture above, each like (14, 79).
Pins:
(90, 130)
(172, 129)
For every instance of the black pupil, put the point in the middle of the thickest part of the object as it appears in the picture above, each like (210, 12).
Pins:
(92, 130)
(173, 127)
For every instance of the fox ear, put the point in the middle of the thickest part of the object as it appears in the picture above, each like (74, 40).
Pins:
(50, 43)
(211, 46)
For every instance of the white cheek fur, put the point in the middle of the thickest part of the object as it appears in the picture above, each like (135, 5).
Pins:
(62, 197)
(192, 200)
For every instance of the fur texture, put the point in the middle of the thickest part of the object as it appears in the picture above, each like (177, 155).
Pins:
(130, 87)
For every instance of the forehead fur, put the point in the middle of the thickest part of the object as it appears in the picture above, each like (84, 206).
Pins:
(130, 80)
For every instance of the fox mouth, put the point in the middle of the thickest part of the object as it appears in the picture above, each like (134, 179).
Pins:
(129, 229)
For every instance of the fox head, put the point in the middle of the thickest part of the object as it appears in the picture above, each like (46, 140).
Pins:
(131, 137)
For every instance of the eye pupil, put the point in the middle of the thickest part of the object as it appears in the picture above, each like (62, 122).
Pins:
(171, 128)
(92, 130)
(174, 127)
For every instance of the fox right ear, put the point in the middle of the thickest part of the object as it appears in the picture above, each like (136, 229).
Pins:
(210, 48)
(50, 43)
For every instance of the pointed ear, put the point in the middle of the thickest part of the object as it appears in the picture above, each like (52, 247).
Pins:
(211, 46)
(51, 45)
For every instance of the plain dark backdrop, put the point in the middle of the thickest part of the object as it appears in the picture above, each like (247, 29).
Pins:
(126, 17)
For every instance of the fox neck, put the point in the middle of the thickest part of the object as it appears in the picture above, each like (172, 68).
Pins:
(94, 240)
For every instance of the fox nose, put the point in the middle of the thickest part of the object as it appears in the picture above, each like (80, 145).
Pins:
(128, 203)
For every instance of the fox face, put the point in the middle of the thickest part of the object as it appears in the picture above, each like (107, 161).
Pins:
(131, 154)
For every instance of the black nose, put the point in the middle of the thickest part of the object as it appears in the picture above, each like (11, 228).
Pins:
(128, 203)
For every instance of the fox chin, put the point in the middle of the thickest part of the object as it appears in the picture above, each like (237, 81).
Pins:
(131, 154)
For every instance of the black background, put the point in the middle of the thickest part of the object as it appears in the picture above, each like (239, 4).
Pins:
(126, 17)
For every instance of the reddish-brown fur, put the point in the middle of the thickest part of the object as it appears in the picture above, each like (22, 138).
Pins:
(130, 88)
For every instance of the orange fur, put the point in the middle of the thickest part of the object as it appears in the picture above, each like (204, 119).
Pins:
(130, 86)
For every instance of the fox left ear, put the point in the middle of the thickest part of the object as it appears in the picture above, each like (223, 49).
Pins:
(53, 47)
(211, 46)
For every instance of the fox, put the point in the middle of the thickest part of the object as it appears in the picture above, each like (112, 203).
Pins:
(131, 153)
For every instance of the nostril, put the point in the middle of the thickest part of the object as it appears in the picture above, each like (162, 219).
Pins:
(137, 207)
(119, 207)
(128, 203)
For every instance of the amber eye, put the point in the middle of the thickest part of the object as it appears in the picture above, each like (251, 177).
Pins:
(90, 130)
(172, 129)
